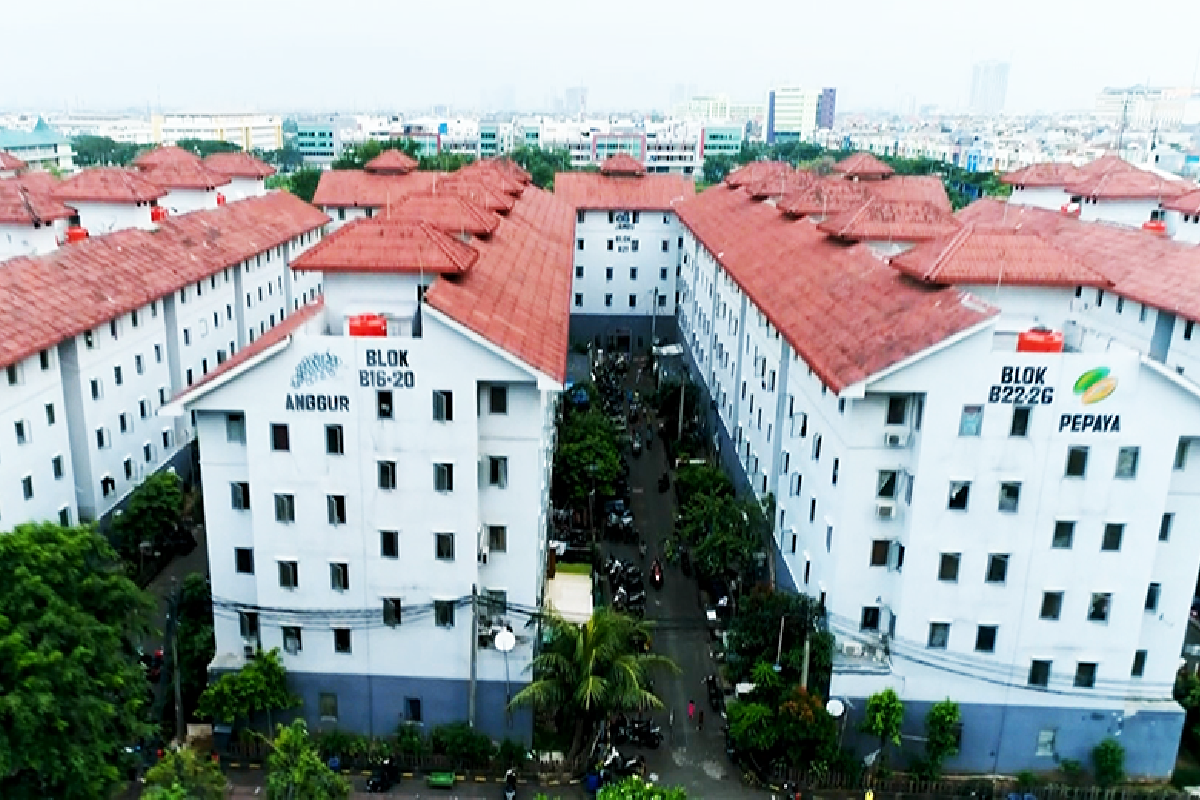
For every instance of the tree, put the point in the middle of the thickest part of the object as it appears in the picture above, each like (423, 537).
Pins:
(172, 792)
(717, 167)
(1108, 759)
(197, 645)
(356, 156)
(206, 147)
(634, 788)
(286, 158)
(260, 686)
(295, 770)
(885, 713)
(302, 183)
(542, 165)
(942, 734)
(726, 530)
(587, 456)
(72, 693)
(101, 151)
(444, 162)
(587, 672)
(154, 515)
(754, 636)
(692, 480)
(781, 724)
(200, 778)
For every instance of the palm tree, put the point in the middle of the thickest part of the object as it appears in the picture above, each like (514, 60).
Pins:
(586, 672)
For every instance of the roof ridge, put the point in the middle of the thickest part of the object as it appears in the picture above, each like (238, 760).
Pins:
(956, 243)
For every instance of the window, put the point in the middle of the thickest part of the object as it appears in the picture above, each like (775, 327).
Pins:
(391, 611)
(870, 618)
(44, 359)
(235, 430)
(971, 422)
(443, 477)
(289, 574)
(95, 387)
(1020, 421)
(285, 508)
(123, 422)
(118, 377)
(497, 601)
(1039, 675)
(1113, 533)
(1164, 527)
(578, 300)
(1045, 741)
(662, 298)
(335, 442)
(960, 494)
(139, 364)
(1051, 605)
(107, 485)
(1085, 675)
(241, 495)
(633, 301)
(56, 464)
(609, 246)
(1181, 451)
(498, 399)
(608, 273)
(1064, 535)
(291, 639)
(443, 613)
(816, 451)
(444, 546)
(498, 471)
(389, 544)
(335, 504)
(666, 245)
(1099, 606)
(50, 413)
(1139, 664)
(997, 568)
(167, 437)
(187, 336)
(113, 329)
(608, 300)
(89, 340)
(27, 487)
(836, 462)
(280, 437)
(103, 439)
(144, 408)
(327, 705)
(443, 405)
(1010, 495)
(633, 246)
(412, 709)
(939, 635)
(879, 552)
(387, 474)
(339, 577)
(633, 273)
(158, 354)
(1077, 462)
(248, 624)
(383, 404)
(1127, 462)
(1188, 328)
(243, 559)
(127, 464)
(579, 244)
(22, 430)
(497, 538)
(189, 377)
(948, 567)
(897, 410)
(985, 639)
(1153, 591)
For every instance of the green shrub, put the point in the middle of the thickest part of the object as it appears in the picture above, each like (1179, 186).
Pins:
(1071, 769)
(1108, 758)
(512, 754)
(409, 741)
(1028, 780)
(462, 744)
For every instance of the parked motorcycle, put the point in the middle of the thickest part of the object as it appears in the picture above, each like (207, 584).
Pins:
(383, 777)
(716, 697)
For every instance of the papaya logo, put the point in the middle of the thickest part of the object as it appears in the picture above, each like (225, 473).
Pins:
(1095, 385)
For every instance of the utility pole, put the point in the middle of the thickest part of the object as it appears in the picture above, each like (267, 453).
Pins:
(653, 318)
(174, 628)
(804, 669)
(474, 628)
(682, 392)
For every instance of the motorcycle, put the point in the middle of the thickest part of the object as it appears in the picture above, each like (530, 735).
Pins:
(510, 785)
(716, 698)
(616, 764)
(664, 483)
(656, 574)
(383, 778)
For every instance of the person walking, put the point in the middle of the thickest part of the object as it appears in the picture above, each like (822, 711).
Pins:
(691, 710)
(700, 720)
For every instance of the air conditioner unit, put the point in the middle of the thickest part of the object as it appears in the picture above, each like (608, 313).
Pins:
(854, 649)
(895, 439)
(885, 511)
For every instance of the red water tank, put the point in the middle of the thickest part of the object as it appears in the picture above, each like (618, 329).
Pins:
(1155, 226)
(76, 234)
(368, 325)
(158, 214)
(220, 199)
(1040, 340)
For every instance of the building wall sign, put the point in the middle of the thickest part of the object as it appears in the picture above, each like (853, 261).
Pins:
(315, 368)
(1075, 388)
(382, 372)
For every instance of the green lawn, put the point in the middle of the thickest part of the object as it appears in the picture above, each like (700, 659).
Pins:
(574, 569)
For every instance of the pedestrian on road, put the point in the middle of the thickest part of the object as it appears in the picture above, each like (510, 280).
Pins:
(691, 710)
(700, 720)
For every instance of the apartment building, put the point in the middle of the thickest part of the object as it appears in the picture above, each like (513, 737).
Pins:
(247, 131)
(977, 434)
(31, 220)
(627, 245)
(384, 456)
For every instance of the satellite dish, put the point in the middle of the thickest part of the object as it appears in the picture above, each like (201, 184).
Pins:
(505, 641)
(835, 707)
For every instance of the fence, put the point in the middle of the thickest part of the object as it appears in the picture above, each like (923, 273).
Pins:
(912, 788)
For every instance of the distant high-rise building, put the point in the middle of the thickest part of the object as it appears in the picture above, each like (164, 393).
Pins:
(791, 113)
(1147, 106)
(575, 100)
(825, 108)
(989, 85)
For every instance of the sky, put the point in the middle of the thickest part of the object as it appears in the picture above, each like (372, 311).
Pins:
(357, 55)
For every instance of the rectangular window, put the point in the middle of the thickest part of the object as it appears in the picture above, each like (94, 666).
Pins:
(22, 431)
(123, 422)
(391, 611)
(335, 504)
(1045, 742)
(578, 300)
(280, 437)
(95, 387)
(412, 708)
(498, 471)
(158, 354)
(609, 245)
(948, 567)
(879, 552)
(1085, 675)
(497, 538)
(187, 336)
(118, 376)
(443, 405)
(289, 574)
(248, 624)
(1181, 451)
(335, 441)
(1064, 535)
(939, 635)
(285, 508)
(1020, 421)
(383, 404)
(971, 422)
(1010, 495)
(56, 464)
(139, 364)
(1164, 527)
(608, 300)
(633, 246)
(579, 244)
(870, 618)
(960, 495)
(327, 705)
(1099, 606)
(387, 474)
(985, 639)
(897, 410)
(1139, 664)
(997, 569)
(608, 273)
(243, 560)
(50, 418)
(1153, 592)
(1077, 458)
(144, 408)
(389, 544)
(27, 486)
(1051, 605)
(1127, 462)
(633, 301)
(444, 546)
(241, 495)
(496, 601)
(666, 245)
(339, 577)
(44, 359)
(1039, 674)
(1113, 533)
(443, 613)
(633, 273)
(291, 639)
(498, 399)
(443, 477)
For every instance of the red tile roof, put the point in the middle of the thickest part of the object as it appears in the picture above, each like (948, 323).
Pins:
(476, 190)
(1105, 165)
(1188, 203)
(756, 171)
(847, 313)
(181, 174)
(518, 295)
(1140, 265)
(1133, 184)
(388, 245)
(598, 192)
(781, 184)
(826, 196)
(986, 254)
(512, 168)
(8, 161)
(448, 213)
(391, 162)
(108, 185)
(238, 165)
(622, 164)
(1052, 173)
(495, 175)
(862, 165)
(160, 156)
(28, 204)
(52, 297)
(39, 181)
(351, 188)
(911, 189)
(886, 220)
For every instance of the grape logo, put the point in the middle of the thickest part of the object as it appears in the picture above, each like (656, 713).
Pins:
(1094, 385)
(314, 368)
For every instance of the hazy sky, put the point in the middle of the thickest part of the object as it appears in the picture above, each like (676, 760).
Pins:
(357, 54)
